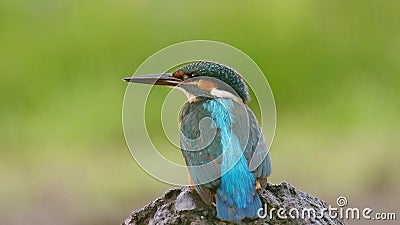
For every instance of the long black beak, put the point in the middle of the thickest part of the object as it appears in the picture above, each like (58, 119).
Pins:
(155, 79)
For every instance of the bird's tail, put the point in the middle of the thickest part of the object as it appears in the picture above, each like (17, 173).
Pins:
(236, 196)
(229, 209)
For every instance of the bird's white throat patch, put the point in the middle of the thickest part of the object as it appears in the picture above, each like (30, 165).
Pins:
(190, 97)
(224, 94)
(214, 92)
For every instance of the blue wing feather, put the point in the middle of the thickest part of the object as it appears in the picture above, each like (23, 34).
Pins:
(191, 115)
(256, 151)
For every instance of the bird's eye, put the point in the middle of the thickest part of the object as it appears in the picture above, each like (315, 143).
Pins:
(188, 75)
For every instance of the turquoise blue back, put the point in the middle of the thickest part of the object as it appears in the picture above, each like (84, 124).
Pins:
(226, 158)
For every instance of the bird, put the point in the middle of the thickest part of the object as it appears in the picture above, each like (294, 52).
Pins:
(220, 138)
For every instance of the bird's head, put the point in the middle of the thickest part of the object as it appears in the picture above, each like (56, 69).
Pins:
(201, 78)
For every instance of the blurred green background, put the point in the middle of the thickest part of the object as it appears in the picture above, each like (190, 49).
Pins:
(333, 67)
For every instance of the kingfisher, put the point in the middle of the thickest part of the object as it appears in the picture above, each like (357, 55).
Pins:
(220, 139)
